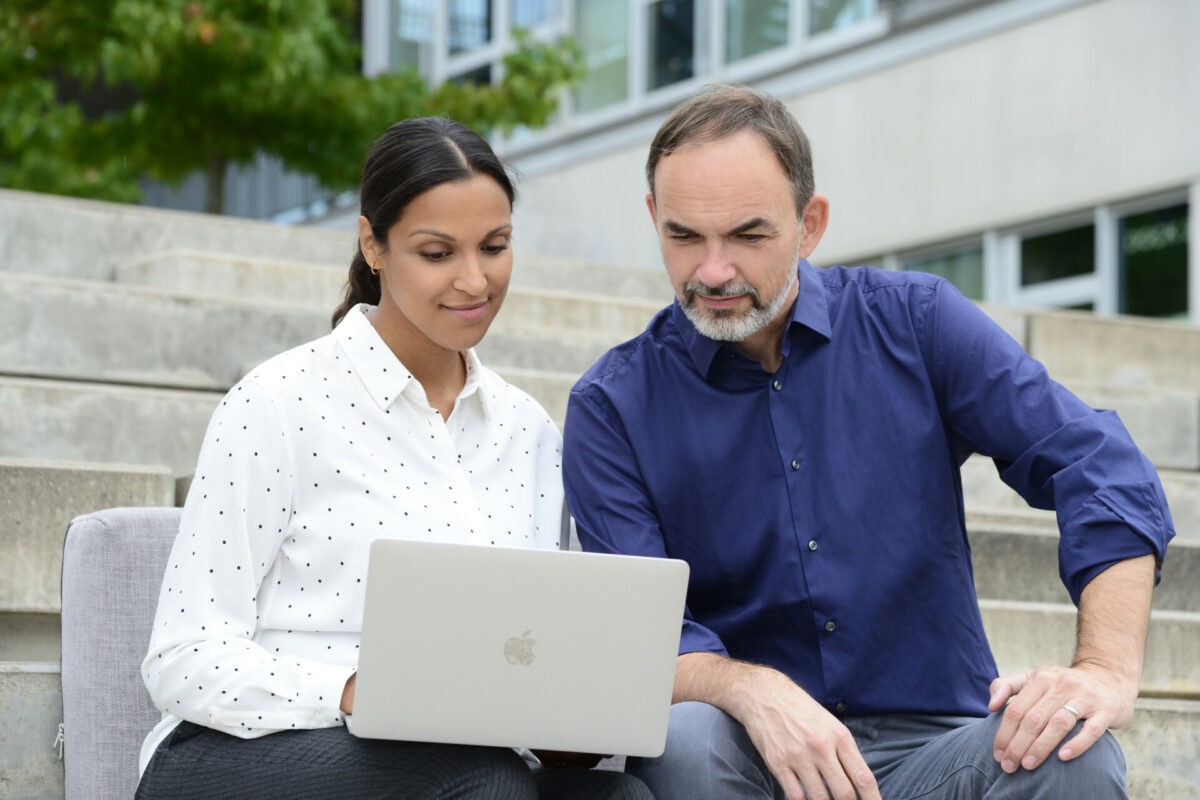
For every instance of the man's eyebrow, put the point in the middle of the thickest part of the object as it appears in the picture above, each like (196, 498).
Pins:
(751, 224)
(675, 229)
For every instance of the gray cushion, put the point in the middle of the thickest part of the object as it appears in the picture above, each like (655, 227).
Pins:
(113, 563)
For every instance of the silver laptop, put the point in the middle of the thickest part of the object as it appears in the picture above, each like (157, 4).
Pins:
(556, 650)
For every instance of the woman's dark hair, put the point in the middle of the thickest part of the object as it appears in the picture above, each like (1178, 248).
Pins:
(412, 157)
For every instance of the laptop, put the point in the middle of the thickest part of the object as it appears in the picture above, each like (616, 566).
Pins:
(546, 649)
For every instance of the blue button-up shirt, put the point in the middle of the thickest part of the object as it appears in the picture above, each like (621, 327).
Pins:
(820, 507)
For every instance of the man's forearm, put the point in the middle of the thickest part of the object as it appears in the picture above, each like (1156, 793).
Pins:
(1114, 618)
(713, 679)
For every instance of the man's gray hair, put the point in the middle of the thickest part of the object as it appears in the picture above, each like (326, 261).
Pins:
(722, 110)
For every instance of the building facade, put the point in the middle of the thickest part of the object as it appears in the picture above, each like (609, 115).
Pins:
(1035, 152)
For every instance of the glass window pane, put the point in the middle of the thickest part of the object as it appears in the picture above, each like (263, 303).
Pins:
(413, 34)
(672, 41)
(602, 30)
(753, 27)
(832, 15)
(531, 13)
(470, 25)
(1154, 263)
(963, 268)
(1061, 254)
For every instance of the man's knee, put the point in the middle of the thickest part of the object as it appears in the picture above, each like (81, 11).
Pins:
(1098, 772)
(708, 754)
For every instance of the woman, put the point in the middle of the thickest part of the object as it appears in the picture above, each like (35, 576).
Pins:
(388, 426)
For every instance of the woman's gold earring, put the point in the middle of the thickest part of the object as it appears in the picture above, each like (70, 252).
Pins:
(374, 270)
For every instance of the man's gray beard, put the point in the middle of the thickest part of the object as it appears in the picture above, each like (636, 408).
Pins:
(727, 325)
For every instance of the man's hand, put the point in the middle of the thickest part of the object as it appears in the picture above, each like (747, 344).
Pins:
(1045, 705)
(811, 754)
(1100, 689)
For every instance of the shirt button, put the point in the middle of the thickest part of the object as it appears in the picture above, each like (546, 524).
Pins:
(778, 385)
(840, 708)
(831, 626)
(812, 544)
(795, 464)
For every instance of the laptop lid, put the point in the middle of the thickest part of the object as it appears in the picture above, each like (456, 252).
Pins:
(557, 650)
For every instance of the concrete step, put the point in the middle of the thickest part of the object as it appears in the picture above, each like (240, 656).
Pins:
(70, 238)
(68, 421)
(77, 421)
(502, 349)
(1028, 635)
(1117, 351)
(551, 294)
(207, 273)
(551, 389)
(649, 284)
(105, 332)
(983, 489)
(37, 501)
(1160, 747)
(1016, 558)
(1165, 423)
(30, 712)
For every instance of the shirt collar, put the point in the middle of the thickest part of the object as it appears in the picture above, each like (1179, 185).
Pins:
(811, 310)
(384, 375)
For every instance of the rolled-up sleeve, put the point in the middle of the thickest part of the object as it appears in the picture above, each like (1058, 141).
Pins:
(1048, 445)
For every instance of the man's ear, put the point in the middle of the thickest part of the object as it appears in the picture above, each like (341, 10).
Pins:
(366, 240)
(651, 209)
(813, 223)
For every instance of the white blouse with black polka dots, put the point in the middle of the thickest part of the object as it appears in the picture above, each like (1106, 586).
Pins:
(312, 456)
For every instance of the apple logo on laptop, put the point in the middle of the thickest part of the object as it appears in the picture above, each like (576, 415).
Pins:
(519, 650)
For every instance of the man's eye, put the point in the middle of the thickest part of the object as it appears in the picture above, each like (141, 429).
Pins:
(752, 238)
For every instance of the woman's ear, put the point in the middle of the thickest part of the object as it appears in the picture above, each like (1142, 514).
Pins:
(366, 240)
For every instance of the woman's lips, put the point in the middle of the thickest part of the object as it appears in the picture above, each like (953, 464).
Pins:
(468, 313)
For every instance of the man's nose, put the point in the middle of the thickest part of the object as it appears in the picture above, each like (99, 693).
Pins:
(716, 269)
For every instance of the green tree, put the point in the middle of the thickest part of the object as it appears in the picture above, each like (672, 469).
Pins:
(202, 84)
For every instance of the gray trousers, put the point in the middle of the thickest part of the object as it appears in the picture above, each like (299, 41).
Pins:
(196, 763)
(709, 755)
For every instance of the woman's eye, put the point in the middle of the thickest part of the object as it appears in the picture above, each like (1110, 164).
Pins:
(435, 255)
(495, 249)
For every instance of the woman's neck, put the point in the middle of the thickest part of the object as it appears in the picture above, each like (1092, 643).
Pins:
(441, 372)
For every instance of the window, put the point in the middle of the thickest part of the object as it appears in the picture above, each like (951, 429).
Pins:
(602, 29)
(962, 266)
(671, 29)
(412, 43)
(753, 27)
(1153, 263)
(470, 25)
(532, 13)
(1057, 255)
(832, 15)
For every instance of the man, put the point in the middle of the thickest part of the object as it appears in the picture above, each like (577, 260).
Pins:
(795, 435)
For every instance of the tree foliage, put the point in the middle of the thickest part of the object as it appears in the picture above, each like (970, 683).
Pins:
(190, 85)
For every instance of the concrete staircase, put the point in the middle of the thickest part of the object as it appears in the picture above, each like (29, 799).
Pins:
(121, 327)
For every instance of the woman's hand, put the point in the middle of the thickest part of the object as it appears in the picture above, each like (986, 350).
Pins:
(348, 696)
